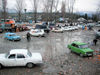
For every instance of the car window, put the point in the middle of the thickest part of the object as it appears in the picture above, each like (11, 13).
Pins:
(29, 53)
(73, 44)
(12, 56)
(83, 46)
(77, 46)
(20, 56)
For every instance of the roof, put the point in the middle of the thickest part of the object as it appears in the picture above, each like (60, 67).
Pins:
(79, 43)
(10, 33)
(13, 51)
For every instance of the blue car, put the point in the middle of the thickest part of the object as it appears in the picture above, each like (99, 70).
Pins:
(12, 36)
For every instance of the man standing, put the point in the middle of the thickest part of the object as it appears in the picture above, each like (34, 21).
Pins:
(28, 37)
(95, 41)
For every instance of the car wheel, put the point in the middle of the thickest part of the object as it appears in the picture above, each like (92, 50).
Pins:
(6, 39)
(81, 55)
(0, 66)
(29, 65)
(70, 50)
(13, 40)
(39, 35)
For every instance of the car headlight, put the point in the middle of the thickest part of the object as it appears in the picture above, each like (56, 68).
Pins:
(85, 53)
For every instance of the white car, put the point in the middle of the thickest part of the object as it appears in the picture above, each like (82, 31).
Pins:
(98, 25)
(57, 30)
(37, 32)
(65, 28)
(71, 28)
(76, 27)
(20, 57)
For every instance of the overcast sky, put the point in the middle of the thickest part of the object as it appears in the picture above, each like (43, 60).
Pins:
(80, 5)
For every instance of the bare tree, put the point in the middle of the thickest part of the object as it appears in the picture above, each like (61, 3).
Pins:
(63, 9)
(98, 11)
(19, 7)
(56, 2)
(70, 8)
(4, 2)
(35, 4)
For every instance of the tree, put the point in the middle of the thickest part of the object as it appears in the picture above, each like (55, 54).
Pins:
(48, 9)
(20, 4)
(35, 4)
(86, 16)
(4, 2)
(98, 11)
(63, 9)
(70, 8)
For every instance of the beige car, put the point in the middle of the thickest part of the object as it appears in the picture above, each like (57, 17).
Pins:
(58, 30)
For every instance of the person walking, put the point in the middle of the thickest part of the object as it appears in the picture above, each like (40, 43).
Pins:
(95, 41)
(28, 37)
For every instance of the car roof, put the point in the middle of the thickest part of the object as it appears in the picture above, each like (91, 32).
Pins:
(18, 51)
(10, 33)
(79, 43)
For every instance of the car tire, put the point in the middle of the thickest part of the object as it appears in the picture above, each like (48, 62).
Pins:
(29, 65)
(81, 55)
(39, 35)
(13, 40)
(0, 66)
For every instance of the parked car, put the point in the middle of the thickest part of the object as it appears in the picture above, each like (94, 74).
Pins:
(57, 30)
(12, 36)
(81, 48)
(65, 28)
(44, 27)
(19, 57)
(76, 27)
(51, 25)
(37, 32)
(98, 25)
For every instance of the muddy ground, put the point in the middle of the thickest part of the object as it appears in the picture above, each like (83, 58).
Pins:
(57, 59)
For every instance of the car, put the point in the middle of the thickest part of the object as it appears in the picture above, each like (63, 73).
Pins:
(51, 25)
(76, 27)
(20, 57)
(81, 48)
(71, 28)
(37, 32)
(12, 36)
(42, 26)
(57, 30)
(65, 28)
(98, 25)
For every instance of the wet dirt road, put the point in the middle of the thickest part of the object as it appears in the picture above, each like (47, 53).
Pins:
(57, 59)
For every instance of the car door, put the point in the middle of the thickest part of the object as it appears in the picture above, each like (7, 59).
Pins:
(20, 60)
(73, 47)
(77, 50)
(11, 60)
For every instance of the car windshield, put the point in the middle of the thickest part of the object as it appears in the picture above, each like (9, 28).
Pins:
(29, 53)
(6, 55)
(14, 34)
(41, 26)
(83, 46)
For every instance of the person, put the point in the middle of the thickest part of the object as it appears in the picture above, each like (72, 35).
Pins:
(95, 41)
(28, 36)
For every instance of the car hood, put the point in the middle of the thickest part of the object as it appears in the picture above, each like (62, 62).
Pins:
(87, 50)
(2, 56)
(37, 56)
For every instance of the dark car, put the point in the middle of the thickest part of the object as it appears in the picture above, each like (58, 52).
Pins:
(44, 27)
(51, 25)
